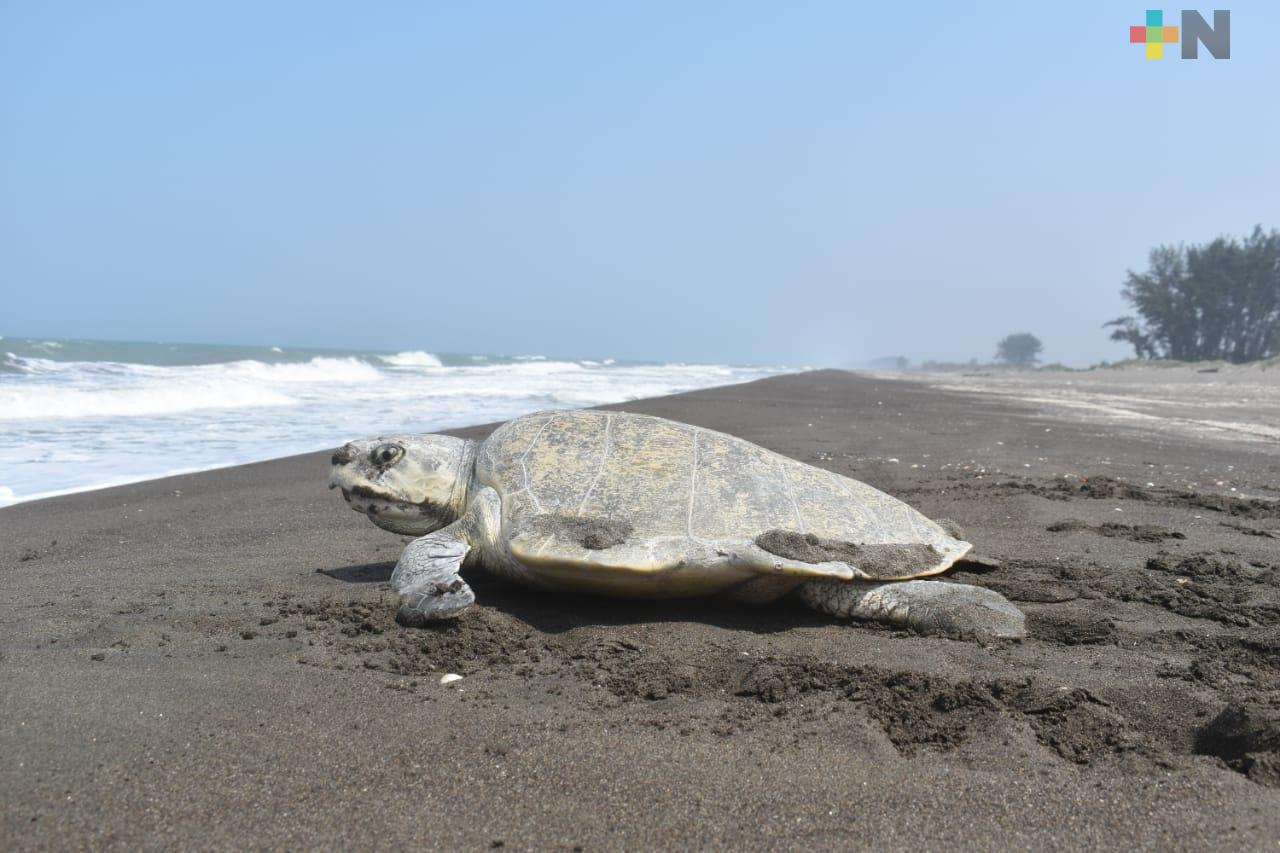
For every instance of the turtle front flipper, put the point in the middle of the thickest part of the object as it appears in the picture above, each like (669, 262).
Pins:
(427, 577)
(946, 609)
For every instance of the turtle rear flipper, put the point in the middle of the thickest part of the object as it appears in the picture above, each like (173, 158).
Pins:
(867, 560)
(946, 609)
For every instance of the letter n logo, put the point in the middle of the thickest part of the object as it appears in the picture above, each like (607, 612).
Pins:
(1217, 39)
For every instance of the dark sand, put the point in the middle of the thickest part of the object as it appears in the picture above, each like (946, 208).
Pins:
(211, 661)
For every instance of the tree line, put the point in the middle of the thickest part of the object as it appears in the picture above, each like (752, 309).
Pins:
(1217, 301)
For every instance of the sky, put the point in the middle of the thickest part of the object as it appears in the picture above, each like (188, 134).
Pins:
(781, 183)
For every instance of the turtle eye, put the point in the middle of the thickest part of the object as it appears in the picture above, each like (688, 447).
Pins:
(387, 454)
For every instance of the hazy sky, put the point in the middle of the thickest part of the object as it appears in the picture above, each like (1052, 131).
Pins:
(782, 183)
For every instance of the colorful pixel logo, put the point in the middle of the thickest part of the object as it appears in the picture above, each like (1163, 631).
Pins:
(1195, 30)
(1155, 35)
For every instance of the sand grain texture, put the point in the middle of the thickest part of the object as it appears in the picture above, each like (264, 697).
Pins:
(212, 661)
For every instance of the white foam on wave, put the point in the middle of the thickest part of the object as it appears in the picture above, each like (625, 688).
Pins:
(414, 358)
(52, 402)
(70, 425)
(534, 368)
(112, 389)
(319, 369)
(35, 365)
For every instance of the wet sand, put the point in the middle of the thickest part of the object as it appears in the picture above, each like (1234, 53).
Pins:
(212, 661)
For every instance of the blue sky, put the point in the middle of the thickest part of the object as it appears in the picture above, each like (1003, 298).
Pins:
(781, 183)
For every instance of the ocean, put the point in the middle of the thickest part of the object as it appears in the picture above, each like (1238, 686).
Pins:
(78, 414)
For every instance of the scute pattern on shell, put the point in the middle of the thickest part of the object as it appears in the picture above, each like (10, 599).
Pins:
(695, 499)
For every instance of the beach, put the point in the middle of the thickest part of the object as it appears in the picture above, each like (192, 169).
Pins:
(211, 660)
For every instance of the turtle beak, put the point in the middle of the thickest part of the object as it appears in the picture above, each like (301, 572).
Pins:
(339, 474)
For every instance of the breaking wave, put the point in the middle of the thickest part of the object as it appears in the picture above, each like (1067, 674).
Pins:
(85, 414)
(57, 403)
(316, 370)
(417, 358)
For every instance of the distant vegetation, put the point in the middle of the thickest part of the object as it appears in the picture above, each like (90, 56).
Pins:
(1215, 302)
(934, 366)
(972, 366)
(1020, 350)
(891, 362)
(1219, 301)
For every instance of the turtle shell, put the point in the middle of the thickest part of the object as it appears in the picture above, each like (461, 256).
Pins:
(630, 504)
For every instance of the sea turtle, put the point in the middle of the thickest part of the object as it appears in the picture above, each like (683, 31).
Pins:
(632, 505)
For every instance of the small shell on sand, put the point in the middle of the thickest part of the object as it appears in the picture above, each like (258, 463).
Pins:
(449, 678)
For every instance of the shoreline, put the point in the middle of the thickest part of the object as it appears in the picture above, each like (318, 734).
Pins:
(1106, 400)
(190, 658)
(111, 484)
(77, 425)
(1098, 393)
(129, 480)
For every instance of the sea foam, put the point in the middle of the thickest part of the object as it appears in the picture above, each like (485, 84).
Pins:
(69, 421)
(417, 358)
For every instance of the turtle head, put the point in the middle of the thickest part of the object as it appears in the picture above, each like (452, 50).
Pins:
(408, 484)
